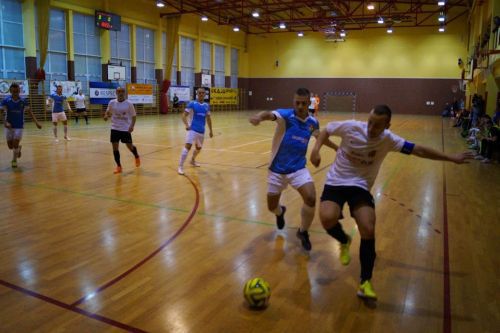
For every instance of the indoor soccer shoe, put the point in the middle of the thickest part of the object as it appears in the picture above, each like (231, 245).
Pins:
(67, 138)
(137, 162)
(195, 164)
(14, 164)
(180, 171)
(345, 257)
(118, 170)
(280, 219)
(366, 290)
(304, 239)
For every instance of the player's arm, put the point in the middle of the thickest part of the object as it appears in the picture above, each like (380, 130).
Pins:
(131, 128)
(209, 123)
(328, 142)
(321, 140)
(432, 154)
(28, 109)
(185, 115)
(4, 113)
(261, 116)
(107, 114)
(68, 106)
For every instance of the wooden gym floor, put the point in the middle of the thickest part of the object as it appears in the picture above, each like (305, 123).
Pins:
(83, 250)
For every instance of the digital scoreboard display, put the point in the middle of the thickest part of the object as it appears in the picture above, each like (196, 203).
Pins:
(107, 21)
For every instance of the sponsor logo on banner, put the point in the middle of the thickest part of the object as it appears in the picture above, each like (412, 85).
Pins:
(102, 92)
(224, 96)
(5, 86)
(69, 88)
(140, 93)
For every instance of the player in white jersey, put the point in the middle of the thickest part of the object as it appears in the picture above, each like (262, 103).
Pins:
(288, 160)
(199, 111)
(80, 105)
(362, 150)
(123, 116)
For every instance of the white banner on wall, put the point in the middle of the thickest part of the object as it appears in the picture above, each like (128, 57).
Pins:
(183, 92)
(69, 88)
(5, 86)
(206, 80)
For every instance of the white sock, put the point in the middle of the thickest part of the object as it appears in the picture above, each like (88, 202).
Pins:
(184, 154)
(278, 211)
(54, 129)
(307, 214)
(195, 153)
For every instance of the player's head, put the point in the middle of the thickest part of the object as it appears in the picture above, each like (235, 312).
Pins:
(14, 90)
(301, 101)
(379, 120)
(120, 93)
(200, 94)
(80, 92)
(59, 89)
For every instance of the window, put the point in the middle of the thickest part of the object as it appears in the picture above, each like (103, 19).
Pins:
(87, 50)
(187, 64)
(120, 49)
(220, 79)
(173, 75)
(56, 66)
(11, 40)
(145, 54)
(206, 57)
(234, 68)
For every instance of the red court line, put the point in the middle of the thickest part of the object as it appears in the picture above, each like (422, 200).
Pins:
(446, 254)
(68, 307)
(150, 256)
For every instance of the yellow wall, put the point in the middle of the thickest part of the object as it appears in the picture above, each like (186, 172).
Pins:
(415, 53)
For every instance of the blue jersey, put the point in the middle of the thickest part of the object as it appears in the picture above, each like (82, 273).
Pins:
(290, 141)
(200, 113)
(15, 111)
(58, 103)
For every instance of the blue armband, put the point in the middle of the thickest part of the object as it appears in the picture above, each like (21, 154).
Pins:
(407, 147)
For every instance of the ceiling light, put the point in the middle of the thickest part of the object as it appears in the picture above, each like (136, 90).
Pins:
(300, 34)
(160, 4)
(255, 14)
(370, 7)
(441, 29)
(389, 30)
(441, 18)
(342, 33)
(236, 29)
(282, 26)
(380, 20)
(441, 3)
(204, 18)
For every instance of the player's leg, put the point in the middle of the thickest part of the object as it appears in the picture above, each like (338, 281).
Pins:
(304, 184)
(86, 116)
(54, 125)
(127, 139)
(65, 124)
(198, 144)
(115, 141)
(330, 211)
(276, 183)
(185, 151)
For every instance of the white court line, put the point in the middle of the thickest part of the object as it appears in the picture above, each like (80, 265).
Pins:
(249, 143)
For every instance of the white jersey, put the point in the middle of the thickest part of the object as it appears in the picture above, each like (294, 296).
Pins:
(313, 102)
(80, 101)
(121, 114)
(359, 158)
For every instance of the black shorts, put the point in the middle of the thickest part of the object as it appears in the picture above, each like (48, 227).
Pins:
(123, 136)
(81, 110)
(354, 196)
(312, 111)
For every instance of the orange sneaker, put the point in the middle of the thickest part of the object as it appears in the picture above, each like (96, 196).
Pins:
(118, 170)
(137, 162)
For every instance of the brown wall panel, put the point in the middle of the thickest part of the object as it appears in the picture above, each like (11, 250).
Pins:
(404, 96)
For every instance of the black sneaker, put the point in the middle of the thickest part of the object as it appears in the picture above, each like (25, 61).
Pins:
(304, 239)
(280, 219)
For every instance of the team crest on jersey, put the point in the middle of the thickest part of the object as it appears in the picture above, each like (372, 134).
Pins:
(372, 153)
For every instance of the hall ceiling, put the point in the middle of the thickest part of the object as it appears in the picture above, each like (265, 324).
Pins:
(323, 16)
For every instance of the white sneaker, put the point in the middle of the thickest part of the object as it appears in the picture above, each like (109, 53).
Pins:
(180, 171)
(195, 164)
(56, 140)
(67, 138)
(486, 160)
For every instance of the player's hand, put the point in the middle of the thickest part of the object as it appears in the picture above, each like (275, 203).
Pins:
(188, 128)
(315, 158)
(211, 134)
(131, 129)
(254, 120)
(38, 126)
(463, 157)
(105, 118)
(7, 125)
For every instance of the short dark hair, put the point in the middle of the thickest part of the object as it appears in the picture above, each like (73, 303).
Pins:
(382, 110)
(58, 86)
(303, 92)
(14, 85)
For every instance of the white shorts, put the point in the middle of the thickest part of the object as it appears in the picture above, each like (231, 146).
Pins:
(13, 133)
(58, 116)
(278, 182)
(195, 137)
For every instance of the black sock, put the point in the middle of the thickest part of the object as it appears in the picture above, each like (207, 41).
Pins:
(116, 154)
(86, 119)
(338, 233)
(367, 257)
(134, 151)
(76, 119)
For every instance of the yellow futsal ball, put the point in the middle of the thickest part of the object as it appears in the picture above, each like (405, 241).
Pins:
(257, 292)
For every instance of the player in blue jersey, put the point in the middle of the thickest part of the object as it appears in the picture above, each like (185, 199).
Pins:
(362, 150)
(199, 111)
(57, 102)
(14, 107)
(288, 160)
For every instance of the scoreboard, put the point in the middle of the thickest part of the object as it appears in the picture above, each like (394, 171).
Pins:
(107, 21)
